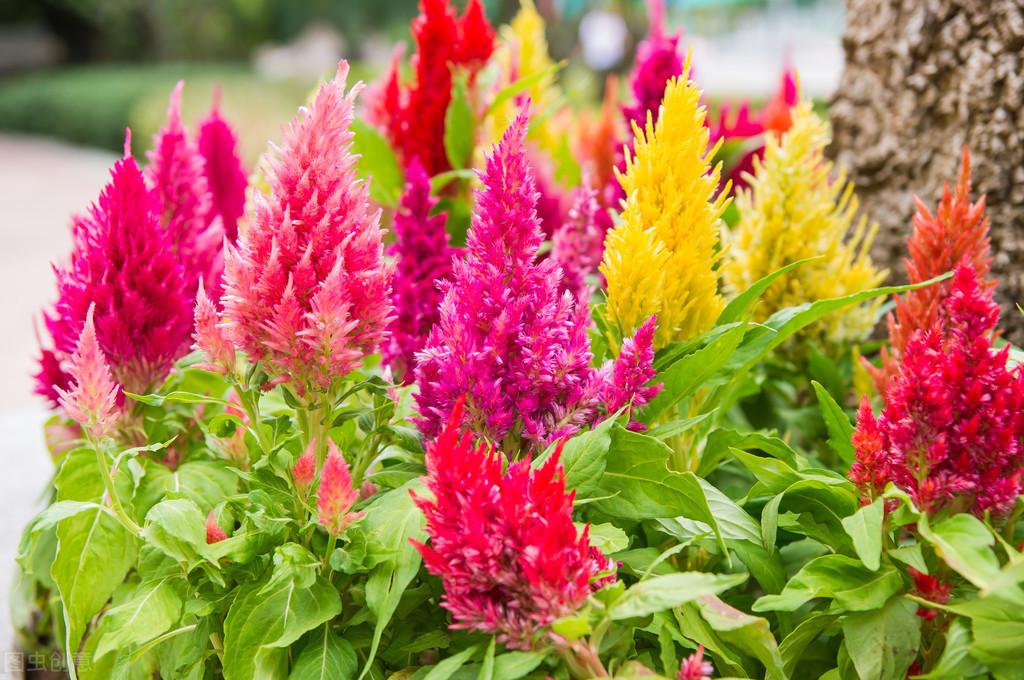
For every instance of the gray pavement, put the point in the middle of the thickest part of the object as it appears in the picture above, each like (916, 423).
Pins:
(41, 184)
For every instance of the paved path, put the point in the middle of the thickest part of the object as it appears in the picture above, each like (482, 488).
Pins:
(41, 184)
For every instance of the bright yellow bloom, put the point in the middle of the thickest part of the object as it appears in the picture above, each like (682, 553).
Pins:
(792, 211)
(661, 257)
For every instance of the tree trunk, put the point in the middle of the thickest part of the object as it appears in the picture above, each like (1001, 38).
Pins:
(922, 78)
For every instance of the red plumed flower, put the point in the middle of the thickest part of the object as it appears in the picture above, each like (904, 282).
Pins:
(952, 427)
(124, 265)
(214, 534)
(504, 543)
(929, 588)
(307, 290)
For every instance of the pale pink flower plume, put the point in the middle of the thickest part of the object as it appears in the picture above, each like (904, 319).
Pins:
(335, 495)
(92, 402)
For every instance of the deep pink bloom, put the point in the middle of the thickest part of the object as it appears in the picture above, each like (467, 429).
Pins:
(304, 469)
(307, 290)
(504, 544)
(552, 201)
(123, 263)
(953, 422)
(225, 175)
(632, 371)
(335, 495)
(51, 378)
(214, 534)
(92, 402)
(929, 588)
(657, 61)
(210, 337)
(578, 244)
(696, 667)
(177, 174)
(423, 257)
(516, 349)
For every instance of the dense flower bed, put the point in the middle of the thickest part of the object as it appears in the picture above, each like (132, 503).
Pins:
(459, 383)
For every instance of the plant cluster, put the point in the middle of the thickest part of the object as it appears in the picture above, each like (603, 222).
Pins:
(438, 396)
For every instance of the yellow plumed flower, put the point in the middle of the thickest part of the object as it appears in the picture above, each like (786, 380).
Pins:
(661, 257)
(792, 211)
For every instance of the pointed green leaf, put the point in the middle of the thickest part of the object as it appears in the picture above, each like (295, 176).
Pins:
(865, 528)
(659, 593)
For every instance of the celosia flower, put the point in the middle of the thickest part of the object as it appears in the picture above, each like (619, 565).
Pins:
(598, 143)
(414, 119)
(929, 588)
(504, 544)
(515, 349)
(214, 534)
(577, 245)
(657, 62)
(51, 378)
(952, 426)
(123, 263)
(335, 495)
(177, 174)
(632, 371)
(660, 259)
(225, 176)
(956, 233)
(696, 667)
(791, 211)
(423, 257)
(307, 290)
(304, 469)
(92, 402)
(210, 337)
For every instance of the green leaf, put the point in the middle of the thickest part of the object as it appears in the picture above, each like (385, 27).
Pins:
(447, 668)
(178, 528)
(521, 85)
(659, 593)
(853, 586)
(377, 163)
(640, 485)
(956, 661)
(607, 538)
(514, 665)
(583, 458)
(458, 126)
(150, 611)
(326, 656)
(884, 642)
(740, 305)
(692, 371)
(965, 544)
(572, 628)
(792, 648)
(487, 667)
(840, 430)
(751, 634)
(94, 554)
(865, 528)
(177, 397)
(273, 615)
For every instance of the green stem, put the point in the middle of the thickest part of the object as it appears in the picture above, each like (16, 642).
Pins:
(251, 406)
(108, 483)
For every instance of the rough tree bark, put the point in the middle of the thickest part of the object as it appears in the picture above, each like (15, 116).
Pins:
(922, 78)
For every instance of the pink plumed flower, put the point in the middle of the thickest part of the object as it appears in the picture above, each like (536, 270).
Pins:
(952, 428)
(92, 402)
(335, 495)
(578, 244)
(423, 257)
(177, 174)
(696, 667)
(632, 372)
(307, 291)
(214, 534)
(51, 378)
(657, 61)
(503, 543)
(517, 349)
(304, 469)
(225, 176)
(123, 265)
(210, 337)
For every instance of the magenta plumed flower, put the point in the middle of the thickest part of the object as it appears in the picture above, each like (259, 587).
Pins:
(225, 175)
(516, 348)
(657, 61)
(307, 289)
(424, 257)
(952, 427)
(504, 543)
(122, 263)
(578, 244)
(630, 375)
(335, 495)
(696, 667)
(177, 174)
(92, 402)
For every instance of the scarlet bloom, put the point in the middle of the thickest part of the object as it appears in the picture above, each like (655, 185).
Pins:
(504, 543)
(92, 402)
(214, 534)
(424, 257)
(123, 266)
(952, 427)
(306, 289)
(335, 495)
(955, 234)
(929, 588)
(225, 175)
(413, 118)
